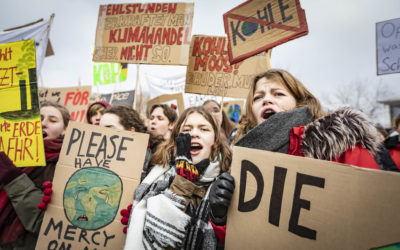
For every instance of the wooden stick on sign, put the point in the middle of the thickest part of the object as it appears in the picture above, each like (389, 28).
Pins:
(136, 87)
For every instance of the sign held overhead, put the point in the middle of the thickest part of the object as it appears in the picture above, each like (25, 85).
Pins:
(256, 26)
(149, 33)
(209, 71)
(388, 46)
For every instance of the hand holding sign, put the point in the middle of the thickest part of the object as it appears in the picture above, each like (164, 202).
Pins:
(125, 213)
(220, 197)
(46, 198)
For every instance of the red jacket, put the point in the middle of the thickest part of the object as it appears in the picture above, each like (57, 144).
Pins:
(395, 154)
(358, 156)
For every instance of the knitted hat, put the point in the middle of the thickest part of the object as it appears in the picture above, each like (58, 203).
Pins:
(105, 104)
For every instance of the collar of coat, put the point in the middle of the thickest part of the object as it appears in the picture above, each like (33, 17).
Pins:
(330, 136)
(325, 138)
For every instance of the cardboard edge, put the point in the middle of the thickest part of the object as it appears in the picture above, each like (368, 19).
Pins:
(302, 31)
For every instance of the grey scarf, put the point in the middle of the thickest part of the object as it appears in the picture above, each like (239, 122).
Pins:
(274, 133)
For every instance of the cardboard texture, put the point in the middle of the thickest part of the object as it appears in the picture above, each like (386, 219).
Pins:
(388, 47)
(288, 202)
(209, 71)
(255, 26)
(21, 135)
(147, 33)
(75, 99)
(96, 175)
(173, 99)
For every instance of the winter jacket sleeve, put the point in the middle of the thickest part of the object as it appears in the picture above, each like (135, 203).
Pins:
(24, 197)
(220, 231)
(358, 156)
(395, 154)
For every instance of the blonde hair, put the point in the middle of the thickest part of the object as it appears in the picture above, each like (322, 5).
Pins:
(219, 149)
(300, 93)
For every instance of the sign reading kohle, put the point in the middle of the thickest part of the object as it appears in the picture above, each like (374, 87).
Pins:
(96, 174)
(256, 26)
(75, 99)
(147, 33)
(388, 46)
(291, 202)
(209, 71)
(21, 135)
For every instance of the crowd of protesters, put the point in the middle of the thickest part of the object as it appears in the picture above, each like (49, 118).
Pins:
(185, 183)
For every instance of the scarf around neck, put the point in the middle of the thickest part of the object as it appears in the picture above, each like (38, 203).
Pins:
(157, 183)
(274, 133)
(52, 148)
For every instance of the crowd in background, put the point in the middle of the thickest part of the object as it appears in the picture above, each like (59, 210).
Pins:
(185, 181)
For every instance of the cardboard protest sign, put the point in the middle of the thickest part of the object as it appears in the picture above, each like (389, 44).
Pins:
(149, 33)
(96, 175)
(75, 99)
(21, 135)
(255, 26)
(175, 101)
(388, 46)
(288, 202)
(234, 109)
(209, 71)
(109, 73)
(119, 98)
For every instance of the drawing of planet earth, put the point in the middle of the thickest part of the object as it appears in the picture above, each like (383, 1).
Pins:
(91, 197)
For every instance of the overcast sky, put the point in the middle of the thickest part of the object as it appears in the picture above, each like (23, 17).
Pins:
(340, 47)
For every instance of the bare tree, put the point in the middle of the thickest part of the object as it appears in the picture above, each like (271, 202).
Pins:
(359, 94)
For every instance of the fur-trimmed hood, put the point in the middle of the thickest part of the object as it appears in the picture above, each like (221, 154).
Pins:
(330, 136)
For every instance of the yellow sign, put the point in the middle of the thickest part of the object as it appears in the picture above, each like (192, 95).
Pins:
(20, 126)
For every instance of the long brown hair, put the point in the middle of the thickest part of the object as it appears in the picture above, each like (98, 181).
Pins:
(300, 93)
(220, 147)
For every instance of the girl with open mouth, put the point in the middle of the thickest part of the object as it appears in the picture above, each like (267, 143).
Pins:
(283, 116)
(175, 205)
(19, 229)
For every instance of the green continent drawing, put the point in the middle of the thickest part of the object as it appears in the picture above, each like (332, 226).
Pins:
(91, 197)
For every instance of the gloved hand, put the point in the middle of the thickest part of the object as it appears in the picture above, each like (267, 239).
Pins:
(8, 171)
(220, 197)
(46, 198)
(125, 217)
(183, 159)
(183, 146)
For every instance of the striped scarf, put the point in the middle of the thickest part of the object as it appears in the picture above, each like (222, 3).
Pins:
(158, 220)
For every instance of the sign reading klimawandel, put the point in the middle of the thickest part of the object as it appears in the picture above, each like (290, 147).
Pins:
(148, 33)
